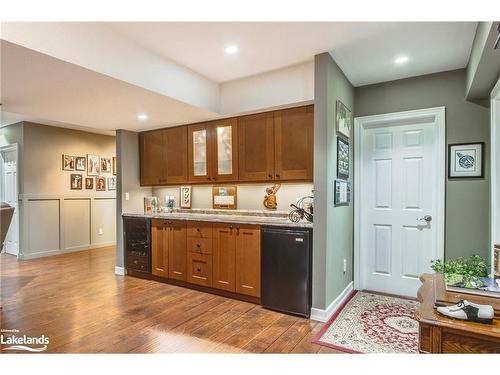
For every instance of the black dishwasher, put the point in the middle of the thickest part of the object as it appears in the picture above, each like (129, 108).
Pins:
(286, 261)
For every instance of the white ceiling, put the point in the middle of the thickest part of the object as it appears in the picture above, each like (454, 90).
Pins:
(40, 88)
(364, 50)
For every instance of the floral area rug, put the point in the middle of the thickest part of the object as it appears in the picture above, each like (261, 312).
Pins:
(372, 323)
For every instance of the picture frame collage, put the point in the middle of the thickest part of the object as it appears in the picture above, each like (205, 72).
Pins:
(343, 127)
(94, 166)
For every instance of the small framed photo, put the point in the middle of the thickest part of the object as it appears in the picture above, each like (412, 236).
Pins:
(465, 160)
(343, 120)
(80, 163)
(111, 183)
(342, 158)
(100, 183)
(105, 165)
(76, 182)
(89, 183)
(342, 193)
(185, 197)
(93, 165)
(68, 162)
(114, 165)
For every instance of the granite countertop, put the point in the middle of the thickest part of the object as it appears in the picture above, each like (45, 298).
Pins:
(275, 218)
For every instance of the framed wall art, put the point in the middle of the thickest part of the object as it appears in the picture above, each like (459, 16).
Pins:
(342, 192)
(343, 120)
(68, 162)
(111, 183)
(105, 165)
(93, 165)
(114, 165)
(465, 160)
(100, 183)
(342, 158)
(89, 183)
(76, 182)
(185, 197)
(80, 163)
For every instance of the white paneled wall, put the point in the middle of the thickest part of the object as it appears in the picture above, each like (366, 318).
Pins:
(59, 224)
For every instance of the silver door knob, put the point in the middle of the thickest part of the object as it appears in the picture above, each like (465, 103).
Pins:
(426, 218)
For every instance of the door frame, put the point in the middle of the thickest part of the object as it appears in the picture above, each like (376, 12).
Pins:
(495, 176)
(12, 147)
(436, 114)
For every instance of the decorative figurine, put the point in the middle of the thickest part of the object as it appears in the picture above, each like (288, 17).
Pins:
(270, 199)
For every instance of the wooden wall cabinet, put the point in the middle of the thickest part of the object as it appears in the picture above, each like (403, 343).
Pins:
(270, 146)
(164, 157)
(294, 143)
(256, 147)
(212, 149)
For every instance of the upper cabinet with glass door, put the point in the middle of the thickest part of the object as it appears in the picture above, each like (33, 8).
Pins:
(212, 151)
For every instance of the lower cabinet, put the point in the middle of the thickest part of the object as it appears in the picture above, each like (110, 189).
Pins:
(221, 256)
(199, 268)
(248, 260)
(177, 251)
(168, 248)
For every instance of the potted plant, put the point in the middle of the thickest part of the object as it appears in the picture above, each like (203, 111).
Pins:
(463, 272)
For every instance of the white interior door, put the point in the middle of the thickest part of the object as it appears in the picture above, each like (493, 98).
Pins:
(9, 195)
(399, 207)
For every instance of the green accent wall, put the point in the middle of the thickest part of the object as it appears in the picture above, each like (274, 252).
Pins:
(333, 226)
(467, 200)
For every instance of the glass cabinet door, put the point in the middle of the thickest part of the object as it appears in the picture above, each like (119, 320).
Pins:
(224, 150)
(200, 152)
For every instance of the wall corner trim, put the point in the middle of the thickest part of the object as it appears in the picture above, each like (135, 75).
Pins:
(325, 315)
(120, 271)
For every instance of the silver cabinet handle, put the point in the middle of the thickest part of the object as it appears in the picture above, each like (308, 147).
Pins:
(426, 218)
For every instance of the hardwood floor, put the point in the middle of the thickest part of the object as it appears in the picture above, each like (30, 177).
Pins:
(83, 307)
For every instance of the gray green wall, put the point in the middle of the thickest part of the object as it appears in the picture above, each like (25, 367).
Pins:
(467, 200)
(333, 226)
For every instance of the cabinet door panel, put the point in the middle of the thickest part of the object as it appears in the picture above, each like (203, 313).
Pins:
(200, 152)
(225, 150)
(224, 252)
(177, 250)
(293, 134)
(176, 148)
(159, 248)
(152, 155)
(199, 269)
(256, 147)
(248, 260)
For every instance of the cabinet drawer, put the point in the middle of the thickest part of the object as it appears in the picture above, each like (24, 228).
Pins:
(199, 229)
(199, 268)
(200, 245)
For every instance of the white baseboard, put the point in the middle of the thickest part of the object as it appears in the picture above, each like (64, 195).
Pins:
(47, 253)
(121, 271)
(324, 315)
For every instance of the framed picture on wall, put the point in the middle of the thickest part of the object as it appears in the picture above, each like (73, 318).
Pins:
(343, 120)
(105, 165)
(100, 183)
(114, 165)
(93, 165)
(89, 183)
(111, 183)
(76, 182)
(185, 197)
(342, 158)
(68, 162)
(465, 160)
(80, 163)
(342, 193)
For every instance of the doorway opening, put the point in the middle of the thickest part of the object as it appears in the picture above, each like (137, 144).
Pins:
(9, 194)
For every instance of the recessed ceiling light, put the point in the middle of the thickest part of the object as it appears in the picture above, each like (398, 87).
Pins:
(231, 50)
(401, 60)
(142, 117)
